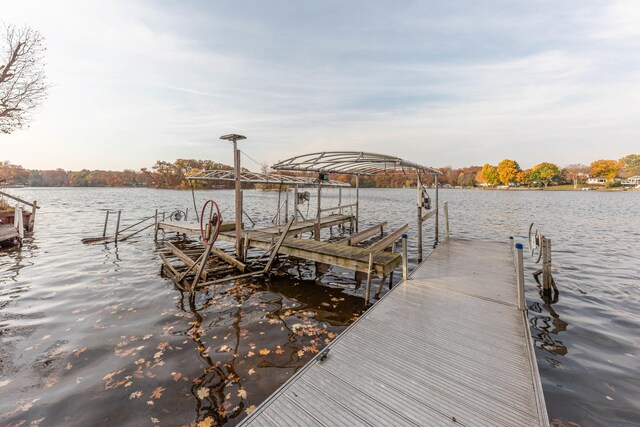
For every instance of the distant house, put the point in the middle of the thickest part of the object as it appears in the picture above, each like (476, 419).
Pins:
(631, 181)
(598, 180)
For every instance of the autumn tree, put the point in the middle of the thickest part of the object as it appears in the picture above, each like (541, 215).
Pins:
(22, 80)
(605, 168)
(488, 175)
(524, 177)
(507, 171)
(545, 172)
(630, 165)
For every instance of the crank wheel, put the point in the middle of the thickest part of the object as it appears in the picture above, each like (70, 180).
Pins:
(210, 222)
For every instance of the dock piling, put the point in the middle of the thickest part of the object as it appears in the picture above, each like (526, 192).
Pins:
(446, 219)
(106, 221)
(369, 274)
(117, 226)
(405, 261)
(520, 276)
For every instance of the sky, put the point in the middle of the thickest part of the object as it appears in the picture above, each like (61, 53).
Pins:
(440, 83)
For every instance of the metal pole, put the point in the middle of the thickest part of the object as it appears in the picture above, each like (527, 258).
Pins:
(118, 225)
(446, 219)
(317, 226)
(186, 214)
(405, 260)
(340, 200)
(419, 204)
(520, 276)
(238, 194)
(369, 274)
(437, 209)
(295, 203)
(357, 200)
(106, 220)
(546, 265)
(286, 206)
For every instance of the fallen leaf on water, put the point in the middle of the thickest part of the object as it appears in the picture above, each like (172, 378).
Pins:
(242, 393)
(155, 420)
(157, 393)
(135, 395)
(149, 402)
(331, 335)
(176, 376)
(37, 422)
(69, 366)
(162, 345)
(265, 351)
(207, 422)
(251, 371)
(79, 351)
(225, 348)
(250, 409)
(203, 393)
(300, 353)
(110, 375)
(146, 337)
(279, 351)
(4, 382)
(45, 337)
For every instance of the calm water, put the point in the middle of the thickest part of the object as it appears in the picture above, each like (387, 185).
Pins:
(93, 335)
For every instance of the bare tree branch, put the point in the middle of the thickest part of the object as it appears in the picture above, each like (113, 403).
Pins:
(23, 83)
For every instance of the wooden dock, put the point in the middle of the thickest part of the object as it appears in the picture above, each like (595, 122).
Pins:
(448, 346)
(8, 233)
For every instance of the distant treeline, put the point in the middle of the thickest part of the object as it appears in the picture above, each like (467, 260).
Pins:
(174, 175)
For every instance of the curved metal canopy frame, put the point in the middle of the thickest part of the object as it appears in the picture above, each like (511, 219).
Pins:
(349, 162)
(262, 178)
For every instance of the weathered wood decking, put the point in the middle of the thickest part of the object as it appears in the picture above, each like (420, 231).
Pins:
(8, 232)
(341, 255)
(447, 347)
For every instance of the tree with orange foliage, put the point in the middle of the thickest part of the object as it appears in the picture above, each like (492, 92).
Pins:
(507, 171)
(605, 168)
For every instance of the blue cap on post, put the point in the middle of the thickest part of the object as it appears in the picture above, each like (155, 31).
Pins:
(510, 237)
(404, 236)
(519, 246)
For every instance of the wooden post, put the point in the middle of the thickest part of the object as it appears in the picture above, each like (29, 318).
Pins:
(276, 248)
(32, 220)
(316, 229)
(405, 260)
(520, 276)
(106, 220)
(419, 188)
(277, 217)
(117, 226)
(186, 214)
(357, 200)
(340, 200)
(369, 274)
(446, 219)
(155, 234)
(437, 209)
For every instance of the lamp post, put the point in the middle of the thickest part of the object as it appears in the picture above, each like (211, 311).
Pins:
(236, 166)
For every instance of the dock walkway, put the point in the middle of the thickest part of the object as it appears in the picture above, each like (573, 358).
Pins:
(446, 347)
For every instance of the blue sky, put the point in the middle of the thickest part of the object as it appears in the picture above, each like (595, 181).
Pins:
(441, 83)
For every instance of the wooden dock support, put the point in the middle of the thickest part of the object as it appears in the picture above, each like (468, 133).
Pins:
(32, 220)
(357, 201)
(437, 232)
(115, 237)
(419, 228)
(106, 221)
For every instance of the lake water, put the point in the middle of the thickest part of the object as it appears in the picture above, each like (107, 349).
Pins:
(93, 335)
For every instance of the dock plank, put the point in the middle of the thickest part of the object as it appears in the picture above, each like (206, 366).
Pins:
(448, 342)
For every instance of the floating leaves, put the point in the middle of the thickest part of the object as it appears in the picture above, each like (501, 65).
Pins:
(250, 409)
(135, 395)
(4, 382)
(264, 351)
(203, 393)
(207, 422)
(157, 392)
(79, 351)
(242, 393)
